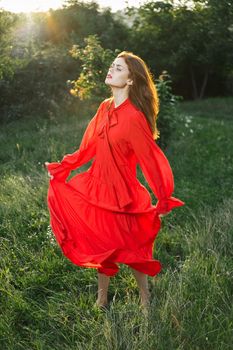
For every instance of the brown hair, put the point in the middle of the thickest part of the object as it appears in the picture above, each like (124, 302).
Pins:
(142, 93)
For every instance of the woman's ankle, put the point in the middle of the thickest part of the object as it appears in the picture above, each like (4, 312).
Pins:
(145, 297)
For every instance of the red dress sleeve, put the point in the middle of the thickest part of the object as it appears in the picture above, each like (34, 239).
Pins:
(84, 154)
(153, 162)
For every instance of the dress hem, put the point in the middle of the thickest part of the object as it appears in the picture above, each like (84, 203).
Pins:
(108, 263)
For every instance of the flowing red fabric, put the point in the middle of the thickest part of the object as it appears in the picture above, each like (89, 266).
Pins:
(104, 215)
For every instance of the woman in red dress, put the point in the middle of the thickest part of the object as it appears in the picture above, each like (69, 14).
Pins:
(104, 216)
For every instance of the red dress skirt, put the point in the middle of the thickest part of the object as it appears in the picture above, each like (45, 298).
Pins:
(104, 216)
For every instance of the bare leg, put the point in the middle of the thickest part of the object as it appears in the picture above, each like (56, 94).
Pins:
(142, 282)
(103, 283)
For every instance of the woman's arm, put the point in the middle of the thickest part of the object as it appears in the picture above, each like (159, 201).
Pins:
(153, 162)
(84, 154)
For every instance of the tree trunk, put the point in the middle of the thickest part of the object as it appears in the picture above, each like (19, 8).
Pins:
(194, 84)
(204, 83)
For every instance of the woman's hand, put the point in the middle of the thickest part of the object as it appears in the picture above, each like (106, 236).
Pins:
(45, 165)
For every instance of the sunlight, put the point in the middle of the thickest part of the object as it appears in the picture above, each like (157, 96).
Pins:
(30, 5)
(44, 5)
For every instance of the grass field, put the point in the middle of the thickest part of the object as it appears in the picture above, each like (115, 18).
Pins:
(46, 302)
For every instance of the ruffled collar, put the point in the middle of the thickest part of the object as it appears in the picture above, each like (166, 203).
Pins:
(111, 115)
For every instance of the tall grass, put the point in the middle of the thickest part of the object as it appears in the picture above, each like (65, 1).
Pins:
(46, 302)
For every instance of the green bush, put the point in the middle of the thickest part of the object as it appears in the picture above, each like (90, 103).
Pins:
(168, 116)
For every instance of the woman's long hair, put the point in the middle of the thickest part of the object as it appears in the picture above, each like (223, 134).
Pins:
(142, 93)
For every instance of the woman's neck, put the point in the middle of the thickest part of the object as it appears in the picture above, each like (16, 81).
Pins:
(119, 96)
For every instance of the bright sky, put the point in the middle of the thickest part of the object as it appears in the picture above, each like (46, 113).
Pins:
(44, 5)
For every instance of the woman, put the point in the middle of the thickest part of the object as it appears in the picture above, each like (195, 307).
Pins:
(105, 216)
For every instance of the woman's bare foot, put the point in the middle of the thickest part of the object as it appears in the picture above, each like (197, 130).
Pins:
(102, 302)
(101, 305)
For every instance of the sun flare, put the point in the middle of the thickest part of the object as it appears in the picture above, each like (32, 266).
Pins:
(44, 5)
(30, 5)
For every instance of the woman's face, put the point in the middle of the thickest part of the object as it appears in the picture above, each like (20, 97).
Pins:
(118, 73)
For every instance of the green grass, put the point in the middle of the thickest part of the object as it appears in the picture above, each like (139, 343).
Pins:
(46, 302)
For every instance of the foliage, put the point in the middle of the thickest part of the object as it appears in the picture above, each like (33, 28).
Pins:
(188, 41)
(40, 86)
(77, 20)
(194, 43)
(8, 62)
(168, 116)
(41, 44)
(94, 60)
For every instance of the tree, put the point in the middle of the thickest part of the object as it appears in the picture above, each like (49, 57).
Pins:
(205, 41)
(8, 61)
(95, 61)
(194, 44)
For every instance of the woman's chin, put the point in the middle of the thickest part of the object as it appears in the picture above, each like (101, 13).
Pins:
(107, 82)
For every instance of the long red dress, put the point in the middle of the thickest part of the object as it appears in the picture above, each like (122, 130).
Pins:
(105, 216)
